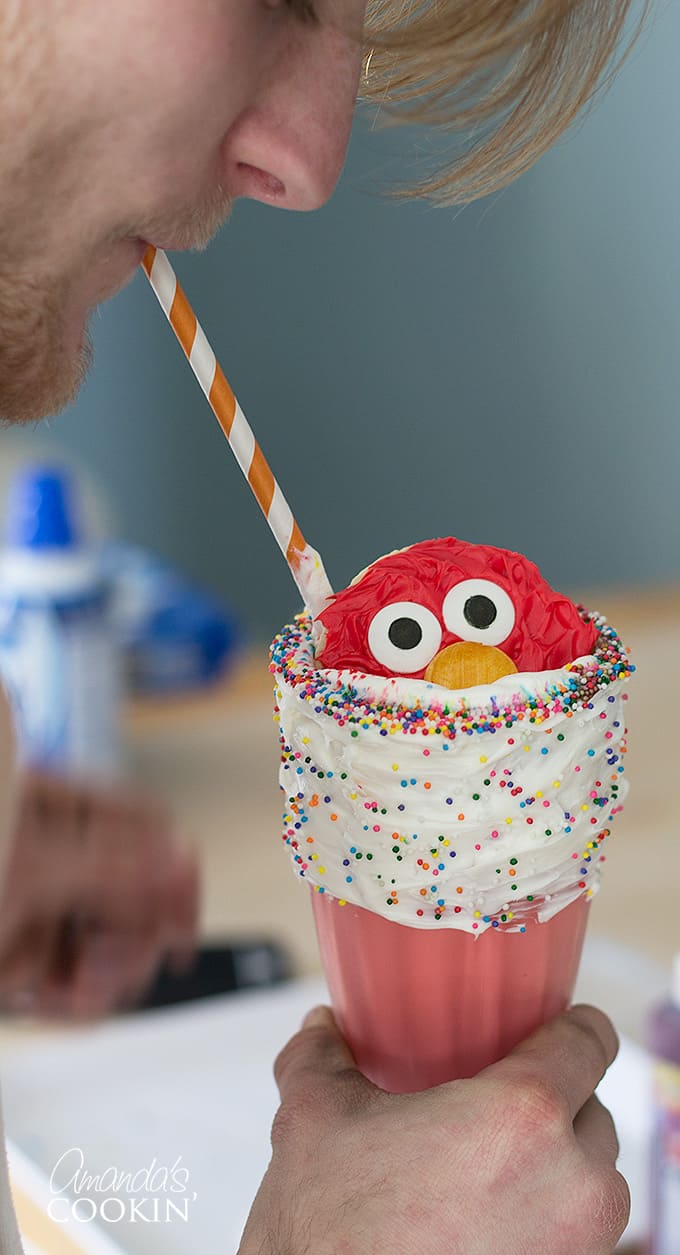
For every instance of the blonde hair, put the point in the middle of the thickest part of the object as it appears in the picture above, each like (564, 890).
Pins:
(511, 74)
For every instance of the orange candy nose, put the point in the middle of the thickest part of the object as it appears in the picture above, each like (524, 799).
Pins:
(467, 663)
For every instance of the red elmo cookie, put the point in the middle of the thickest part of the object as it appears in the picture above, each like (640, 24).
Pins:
(454, 614)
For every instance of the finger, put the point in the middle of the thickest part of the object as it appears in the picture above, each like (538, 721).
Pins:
(183, 908)
(26, 957)
(21, 1002)
(170, 933)
(133, 977)
(111, 972)
(596, 1133)
(318, 1052)
(85, 990)
(50, 854)
(119, 865)
(43, 956)
(566, 1057)
(117, 956)
(125, 868)
(40, 791)
(608, 1196)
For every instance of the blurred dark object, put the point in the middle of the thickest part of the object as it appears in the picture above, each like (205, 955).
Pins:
(220, 970)
(174, 635)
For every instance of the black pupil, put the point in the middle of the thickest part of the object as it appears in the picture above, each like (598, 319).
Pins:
(479, 611)
(405, 633)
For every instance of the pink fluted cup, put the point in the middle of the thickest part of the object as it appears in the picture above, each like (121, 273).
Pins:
(419, 1007)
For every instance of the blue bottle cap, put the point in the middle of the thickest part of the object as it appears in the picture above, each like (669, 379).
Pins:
(40, 510)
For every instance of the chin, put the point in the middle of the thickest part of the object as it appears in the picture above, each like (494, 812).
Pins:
(44, 383)
(44, 350)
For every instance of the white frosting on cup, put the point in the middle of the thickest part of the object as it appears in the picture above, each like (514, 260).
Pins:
(471, 809)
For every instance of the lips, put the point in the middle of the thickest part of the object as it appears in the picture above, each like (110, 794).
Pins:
(168, 246)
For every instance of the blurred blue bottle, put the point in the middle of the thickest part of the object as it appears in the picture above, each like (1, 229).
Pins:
(58, 654)
(664, 1045)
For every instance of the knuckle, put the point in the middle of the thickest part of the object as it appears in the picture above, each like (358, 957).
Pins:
(294, 1120)
(295, 1073)
(288, 1057)
(298, 1056)
(608, 1127)
(540, 1109)
(607, 1203)
(589, 1041)
(284, 1125)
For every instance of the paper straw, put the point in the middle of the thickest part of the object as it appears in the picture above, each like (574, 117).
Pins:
(304, 562)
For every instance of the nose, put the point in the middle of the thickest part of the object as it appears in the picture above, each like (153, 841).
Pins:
(288, 146)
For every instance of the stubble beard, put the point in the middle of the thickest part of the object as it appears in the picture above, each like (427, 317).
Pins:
(58, 224)
(37, 377)
(40, 373)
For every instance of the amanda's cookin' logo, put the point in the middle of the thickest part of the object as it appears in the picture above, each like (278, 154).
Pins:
(156, 1194)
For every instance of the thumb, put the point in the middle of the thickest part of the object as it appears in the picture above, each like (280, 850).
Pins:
(318, 1053)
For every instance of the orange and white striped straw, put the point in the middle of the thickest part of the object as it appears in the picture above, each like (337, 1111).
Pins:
(305, 563)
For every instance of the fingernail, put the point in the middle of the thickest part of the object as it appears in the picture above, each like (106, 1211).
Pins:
(318, 1017)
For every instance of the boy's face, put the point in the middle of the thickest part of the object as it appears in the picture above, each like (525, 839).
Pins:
(141, 121)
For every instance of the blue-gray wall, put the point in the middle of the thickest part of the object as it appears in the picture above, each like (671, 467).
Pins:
(509, 373)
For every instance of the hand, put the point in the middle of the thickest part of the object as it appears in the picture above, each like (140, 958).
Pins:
(520, 1159)
(96, 892)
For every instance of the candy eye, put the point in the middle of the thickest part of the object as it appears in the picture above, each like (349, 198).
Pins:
(404, 637)
(478, 610)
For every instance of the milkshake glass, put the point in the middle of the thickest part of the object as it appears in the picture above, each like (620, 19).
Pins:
(452, 841)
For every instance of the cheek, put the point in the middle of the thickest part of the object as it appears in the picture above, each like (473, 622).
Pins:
(165, 108)
(198, 79)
